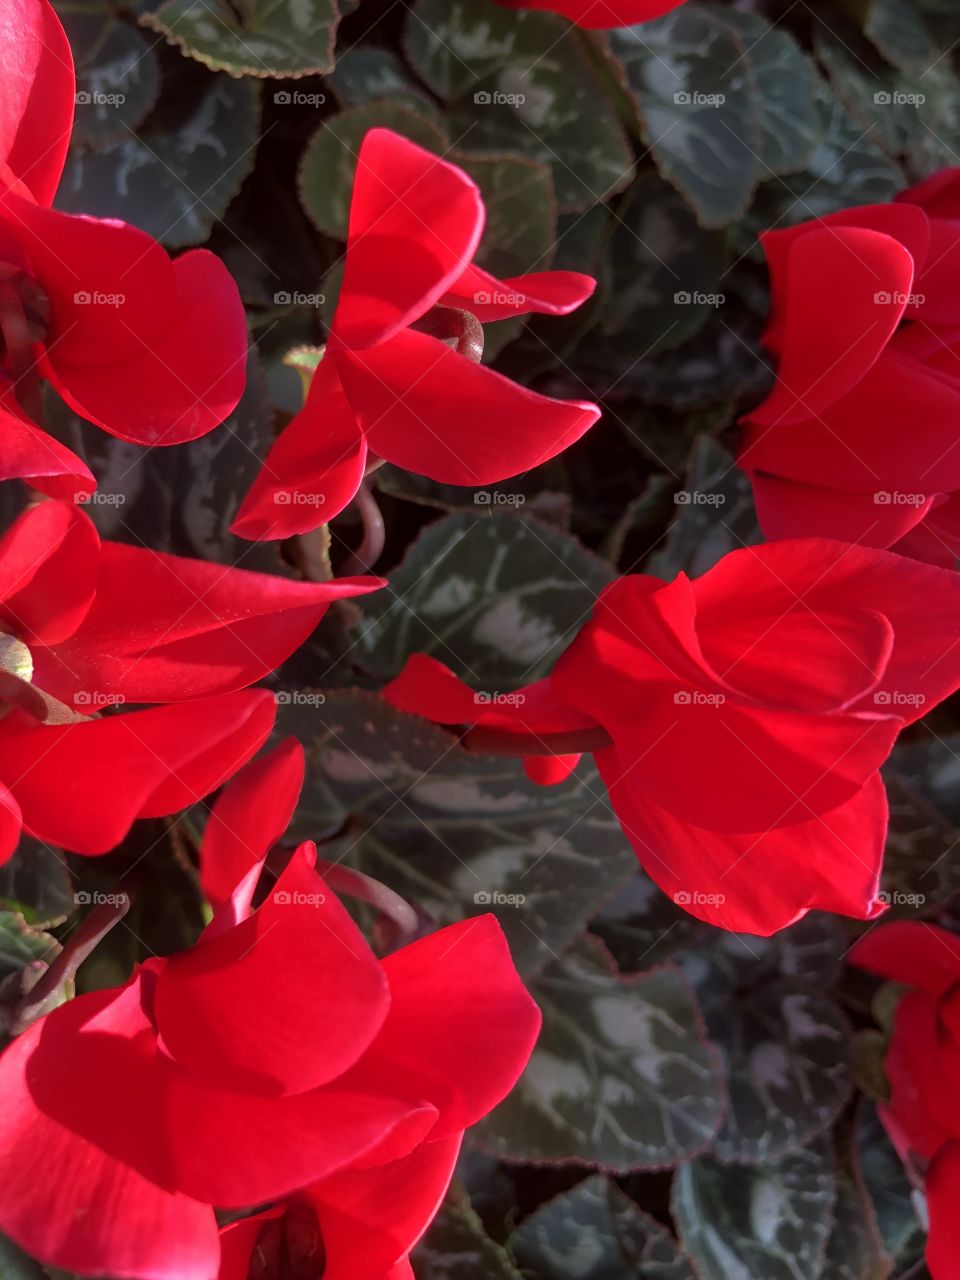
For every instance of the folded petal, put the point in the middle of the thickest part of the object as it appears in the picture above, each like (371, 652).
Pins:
(312, 471)
(936, 539)
(29, 454)
(49, 559)
(75, 1089)
(942, 1188)
(788, 509)
(82, 785)
(415, 223)
(36, 110)
(919, 954)
(370, 1218)
(600, 13)
(459, 1042)
(173, 384)
(763, 881)
(827, 346)
(166, 628)
(282, 1003)
(547, 293)
(249, 817)
(428, 409)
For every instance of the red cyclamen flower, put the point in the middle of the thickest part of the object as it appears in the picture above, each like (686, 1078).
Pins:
(923, 1070)
(858, 438)
(150, 349)
(86, 625)
(739, 720)
(277, 1054)
(386, 389)
(600, 14)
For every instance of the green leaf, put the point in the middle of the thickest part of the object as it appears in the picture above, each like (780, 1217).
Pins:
(715, 514)
(768, 1220)
(173, 181)
(330, 160)
(456, 832)
(666, 272)
(366, 72)
(595, 1232)
(788, 1069)
(790, 125)
(22, 945)
(691, 78)
(498, 599)
(36, 883)
(643, 926)
(117, 76)
(457, 1247)
(853, 1251)
(900, 33)
(275, 38)
(878, 1168)
(621, 1076)
(918, 869)
(521, 82)
(521, 225)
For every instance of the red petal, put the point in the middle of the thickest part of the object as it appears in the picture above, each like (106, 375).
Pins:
(75, 1089)
(938, 282)
(283, 1002)
(173, 384)
(428, 409)
(313, 470)
(415, 223)
(549, 771)
(943, 1196)
(29, 454)
(919, 954)
(760, 882)
(36, 107)
(249, 817)
(49, 559)
(922, 1062)
(547, 293)
(937, 539)
(238, 1241)
(826, 349)
(370, 1218)
(788, 509)
(938, 195)
(165, 628)
(600, 13)
(461, 1025)
(82, 785)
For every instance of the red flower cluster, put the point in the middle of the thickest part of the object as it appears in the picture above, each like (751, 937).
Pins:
(923, 1070)
(388, 387)
(279, 1058)
(858, 439)
(739, 720)
(152, 350)
(86, 626)
(600, 13)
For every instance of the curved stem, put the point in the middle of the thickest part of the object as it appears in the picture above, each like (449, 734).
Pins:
(77, 948)
(501, 742)
(357, 885)
(374, 535)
